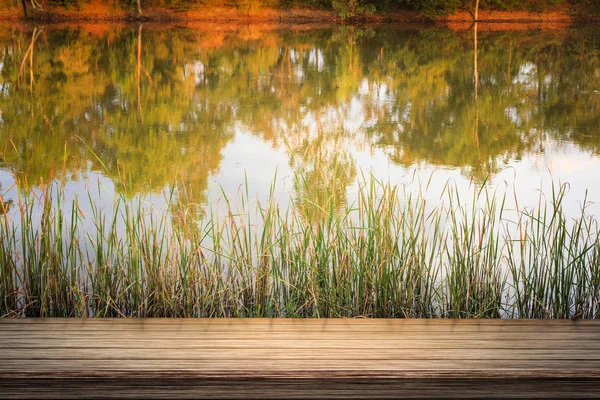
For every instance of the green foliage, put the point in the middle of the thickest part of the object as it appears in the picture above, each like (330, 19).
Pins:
(435, 8)
(584, 8)
(68, 3)
(347, 9)
(522, 5)
(323, 4)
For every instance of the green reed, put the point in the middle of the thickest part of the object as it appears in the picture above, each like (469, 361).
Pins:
(387, 254)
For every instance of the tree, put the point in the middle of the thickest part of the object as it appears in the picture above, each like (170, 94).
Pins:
(34, 5)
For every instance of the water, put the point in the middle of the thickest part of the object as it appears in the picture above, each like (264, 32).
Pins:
(140, 110)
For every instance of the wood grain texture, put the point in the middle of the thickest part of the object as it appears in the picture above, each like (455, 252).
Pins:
(308, 358)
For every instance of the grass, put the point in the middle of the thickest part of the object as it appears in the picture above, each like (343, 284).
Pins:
(389, 254)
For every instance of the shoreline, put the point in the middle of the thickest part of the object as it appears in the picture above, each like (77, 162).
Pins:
(97, 12)
(100, 27)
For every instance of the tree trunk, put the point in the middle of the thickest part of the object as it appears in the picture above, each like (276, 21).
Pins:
(24, 8)
(139, 7)
(476, 10)
(476, 78)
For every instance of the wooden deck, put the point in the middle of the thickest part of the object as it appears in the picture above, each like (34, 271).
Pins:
(263, 358)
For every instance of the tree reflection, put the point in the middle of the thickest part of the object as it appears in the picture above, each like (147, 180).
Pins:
(149, 107)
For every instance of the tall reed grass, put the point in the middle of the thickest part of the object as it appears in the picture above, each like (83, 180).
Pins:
(388, 254)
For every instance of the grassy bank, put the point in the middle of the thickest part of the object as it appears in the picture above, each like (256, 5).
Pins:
(389, 254)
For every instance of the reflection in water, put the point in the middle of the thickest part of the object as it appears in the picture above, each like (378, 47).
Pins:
(152, 108)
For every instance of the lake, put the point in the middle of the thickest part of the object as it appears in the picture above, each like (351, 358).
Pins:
(142, 109)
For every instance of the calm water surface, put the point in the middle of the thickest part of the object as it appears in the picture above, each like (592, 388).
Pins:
(142, 110)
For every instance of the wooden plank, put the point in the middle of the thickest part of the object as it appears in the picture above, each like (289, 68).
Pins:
(225, 388)
(265, 358)
(256, 343)
(95, 352)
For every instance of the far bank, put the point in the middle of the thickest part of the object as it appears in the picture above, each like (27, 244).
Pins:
(249, 11)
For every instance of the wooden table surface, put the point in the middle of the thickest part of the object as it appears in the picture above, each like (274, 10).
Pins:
(316, 358)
